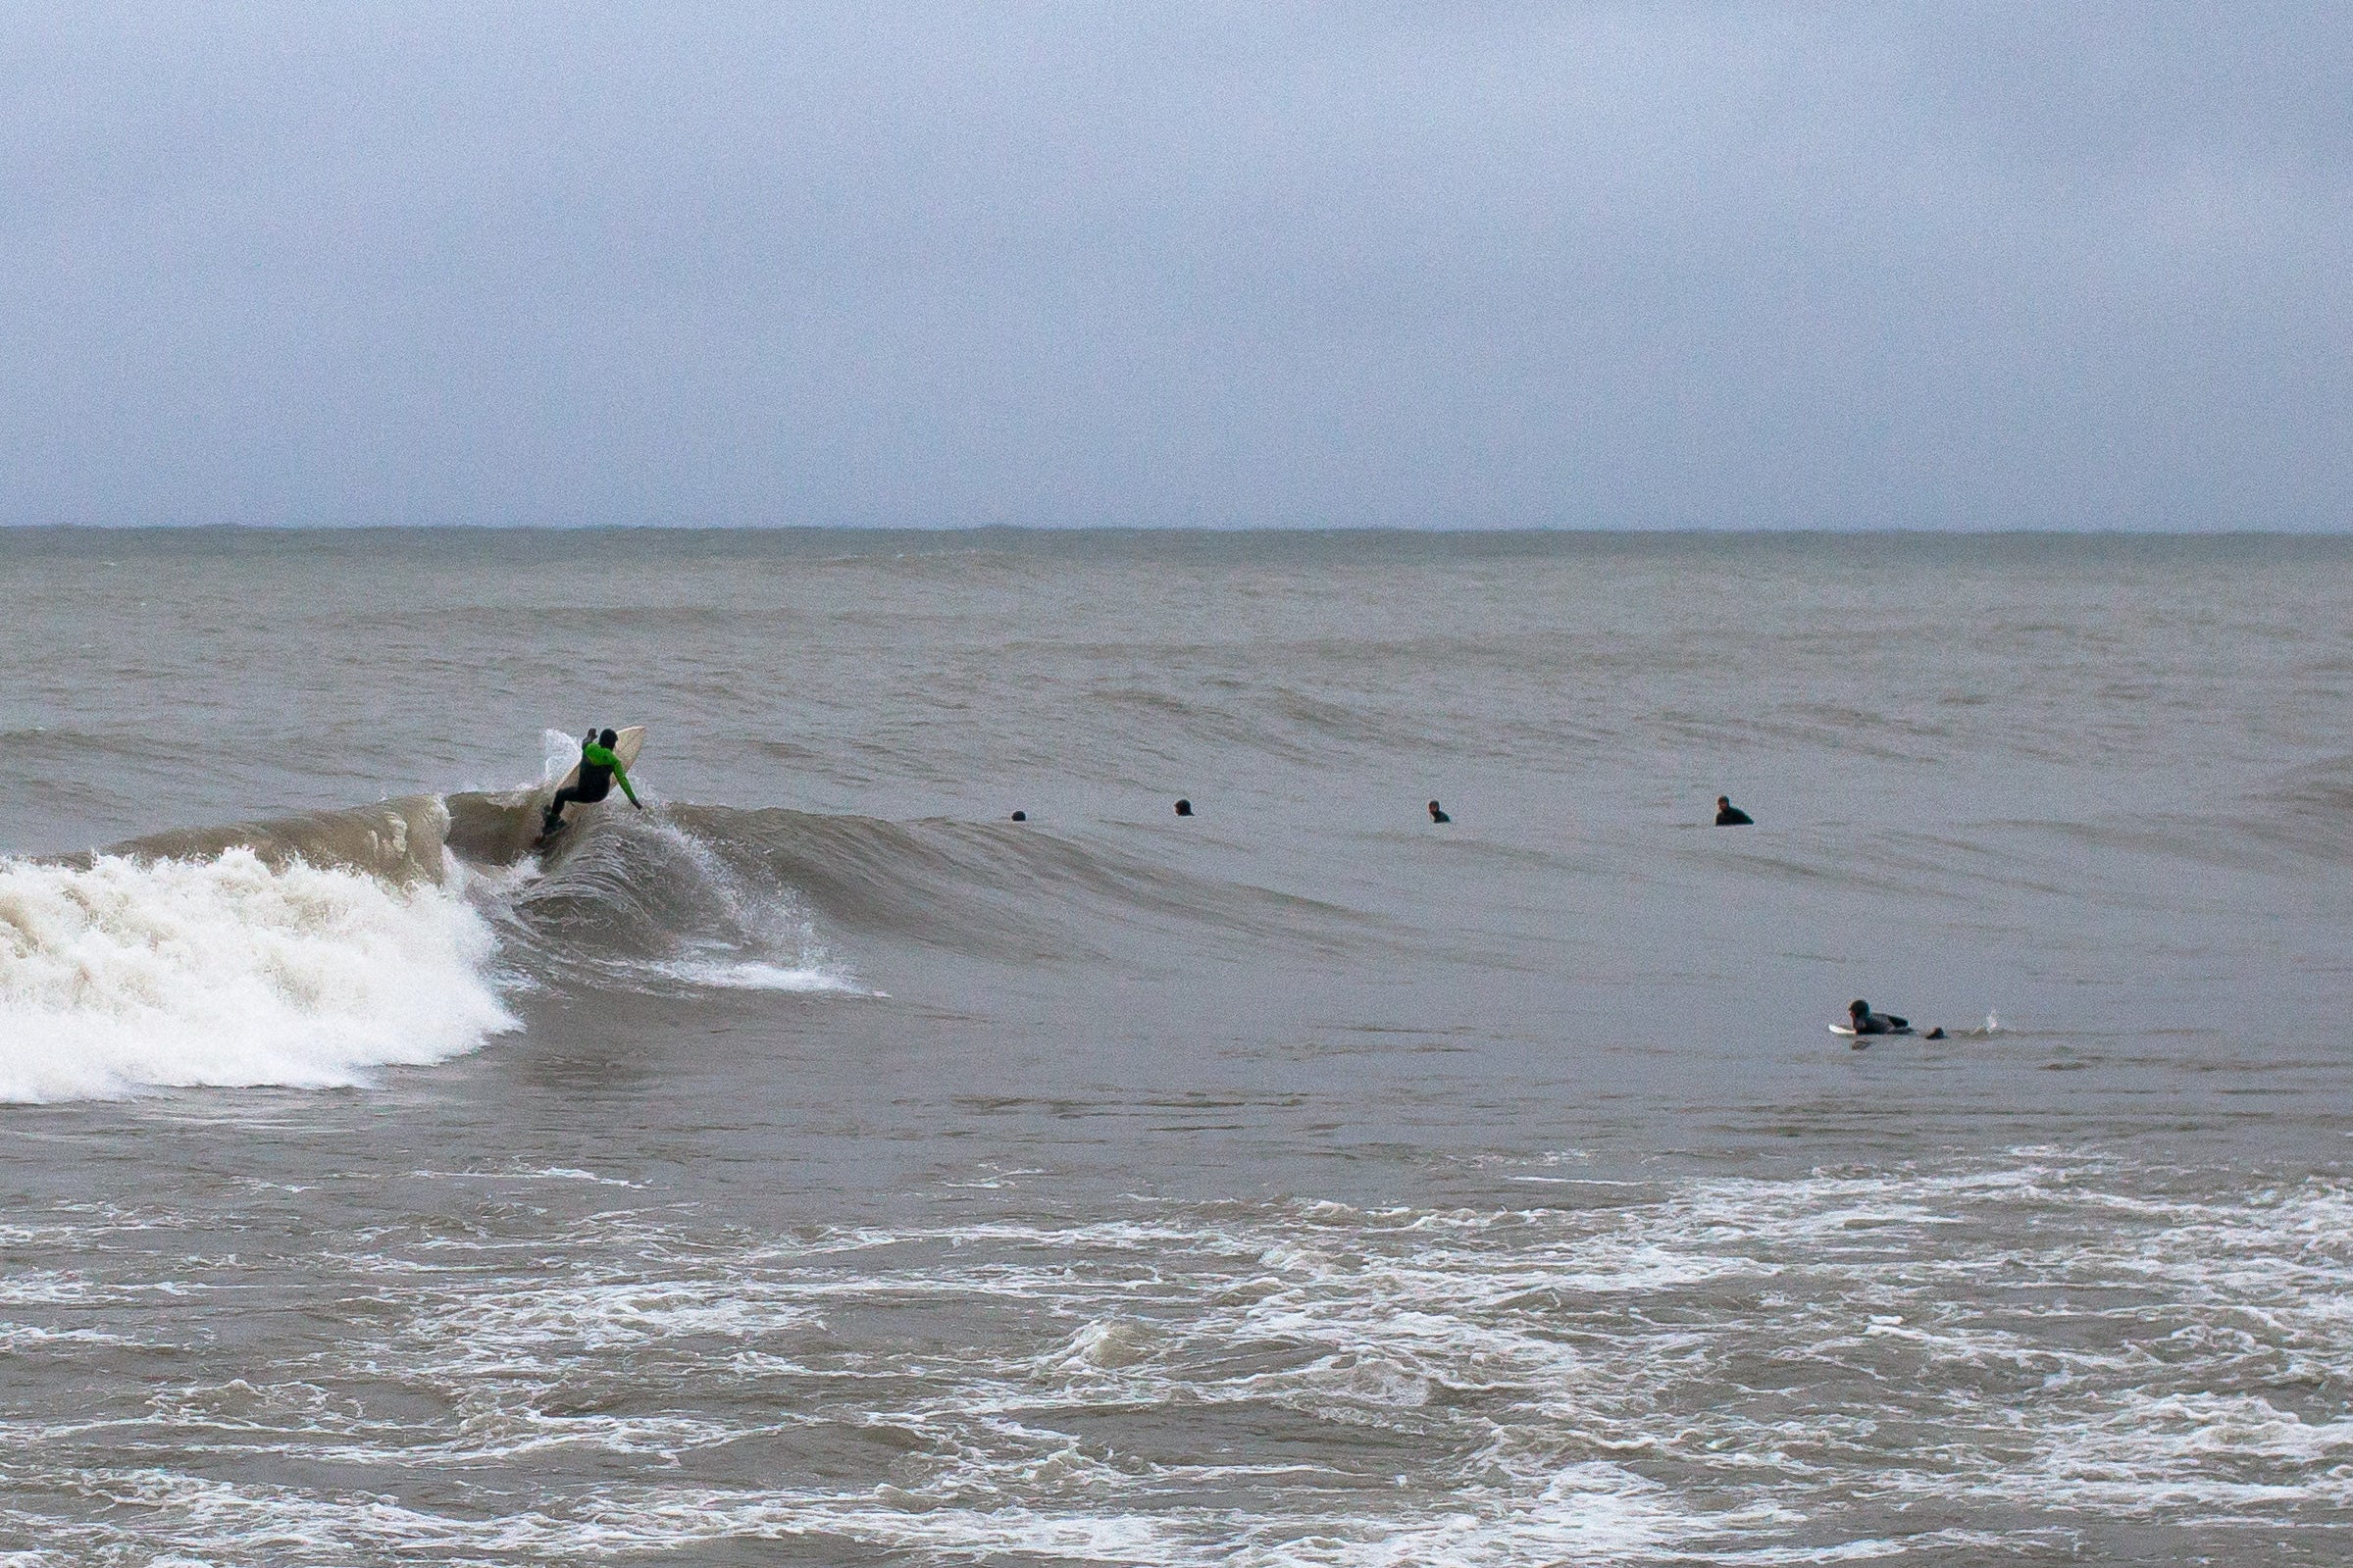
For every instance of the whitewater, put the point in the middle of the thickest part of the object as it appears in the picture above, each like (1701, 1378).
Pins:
(823, 1166)
(229, 971)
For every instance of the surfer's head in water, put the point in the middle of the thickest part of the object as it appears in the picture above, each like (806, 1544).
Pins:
(1728, 815)
(1021, 816)
(1438, 813)
(1184, 808)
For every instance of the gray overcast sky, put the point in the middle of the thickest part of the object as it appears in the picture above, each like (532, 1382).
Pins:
(1957, 265)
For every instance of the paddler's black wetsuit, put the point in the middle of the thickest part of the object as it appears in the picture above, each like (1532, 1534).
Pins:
(599, 768)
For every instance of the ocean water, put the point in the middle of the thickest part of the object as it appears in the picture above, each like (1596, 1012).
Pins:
(821, 1167)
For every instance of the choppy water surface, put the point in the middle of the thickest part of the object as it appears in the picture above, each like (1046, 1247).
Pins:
(821, 1167)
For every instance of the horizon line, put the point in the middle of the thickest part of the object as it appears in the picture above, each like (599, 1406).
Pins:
(1198, 530)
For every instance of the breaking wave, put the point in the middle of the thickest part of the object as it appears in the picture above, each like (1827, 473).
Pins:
(122, 974)
(310, 951)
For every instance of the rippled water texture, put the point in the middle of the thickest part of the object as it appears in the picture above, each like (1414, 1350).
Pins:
(821, 1167)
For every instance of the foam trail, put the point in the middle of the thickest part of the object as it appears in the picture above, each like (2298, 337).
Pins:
(639, 903)
(125, 973)
(752, 974)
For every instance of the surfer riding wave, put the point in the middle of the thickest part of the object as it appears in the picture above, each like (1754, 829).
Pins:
(600, 769)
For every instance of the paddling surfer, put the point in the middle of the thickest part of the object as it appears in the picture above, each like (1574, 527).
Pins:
(599, 770)
(1866, 1022)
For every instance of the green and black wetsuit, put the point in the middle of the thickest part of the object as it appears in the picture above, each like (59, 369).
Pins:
(599, 770)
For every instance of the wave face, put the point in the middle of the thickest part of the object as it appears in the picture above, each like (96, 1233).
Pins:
(128, 973)
(643, 905)
(997, 890)
(399, 842)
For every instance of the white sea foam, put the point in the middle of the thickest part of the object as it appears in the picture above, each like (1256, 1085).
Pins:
(758, 975)
(129, 975)
(1809, 1361)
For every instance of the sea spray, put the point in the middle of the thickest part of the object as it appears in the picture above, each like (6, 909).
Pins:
(642, 904)
(129, 974)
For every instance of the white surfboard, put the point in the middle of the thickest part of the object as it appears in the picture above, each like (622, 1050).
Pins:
(1848, 1029)
(625, 745)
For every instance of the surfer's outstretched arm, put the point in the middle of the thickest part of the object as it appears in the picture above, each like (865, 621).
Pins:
(621, 778)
